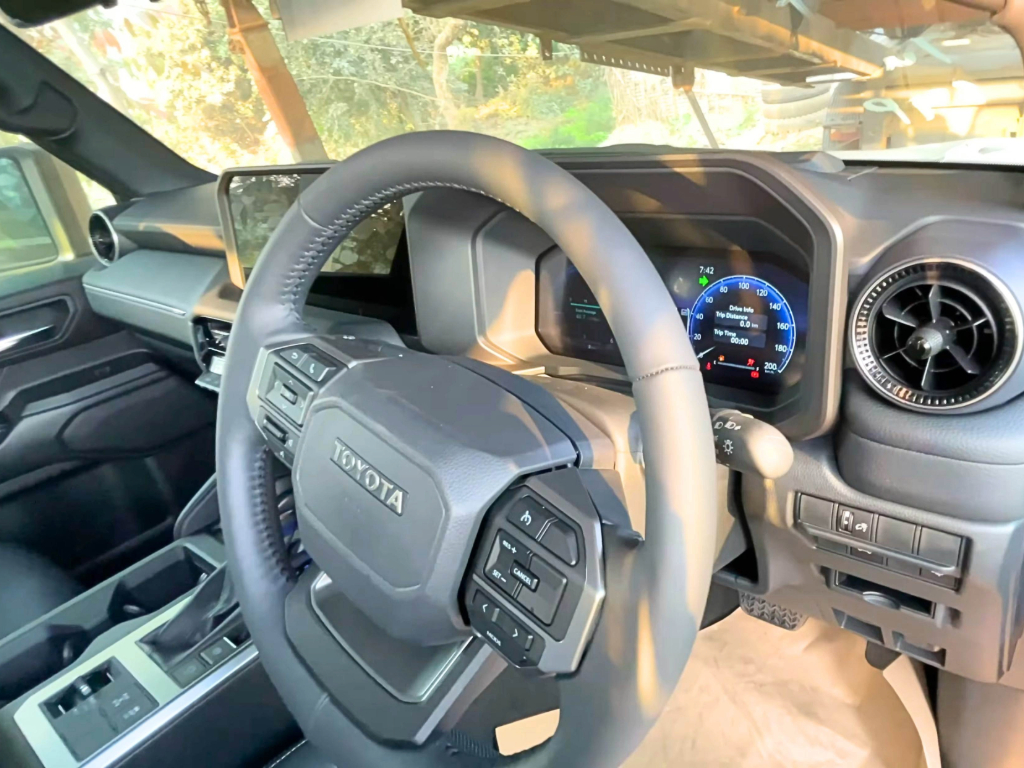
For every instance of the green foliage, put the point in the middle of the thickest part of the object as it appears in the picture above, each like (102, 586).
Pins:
(172, 68)
(584, 125)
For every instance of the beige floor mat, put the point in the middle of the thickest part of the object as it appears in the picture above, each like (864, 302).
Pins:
(757, 696)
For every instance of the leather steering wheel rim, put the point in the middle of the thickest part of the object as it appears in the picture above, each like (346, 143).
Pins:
(656, 591)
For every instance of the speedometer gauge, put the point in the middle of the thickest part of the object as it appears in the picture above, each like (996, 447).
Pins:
(742, 329)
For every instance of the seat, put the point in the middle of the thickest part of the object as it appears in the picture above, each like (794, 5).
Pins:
(302, 755)
(30, 586)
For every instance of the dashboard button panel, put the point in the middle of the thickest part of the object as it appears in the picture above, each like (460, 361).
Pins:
(894, 539)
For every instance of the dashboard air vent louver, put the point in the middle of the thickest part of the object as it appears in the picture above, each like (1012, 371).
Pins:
(103, 238)
(936, 335)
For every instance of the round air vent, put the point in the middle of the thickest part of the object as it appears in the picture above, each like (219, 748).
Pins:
(103, 238)
(936, 335)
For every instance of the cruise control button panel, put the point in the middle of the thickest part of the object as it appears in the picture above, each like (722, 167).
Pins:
(535, 583)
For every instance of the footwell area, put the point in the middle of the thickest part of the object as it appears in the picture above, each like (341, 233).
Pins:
(755, 696)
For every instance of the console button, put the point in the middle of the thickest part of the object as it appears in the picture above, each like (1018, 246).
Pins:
(529, 516)
(844, 520)
(816, 512)
(941, 548)
(895, 534)
(867, 555)
(561, 540)
(84, 729)
(833, 546)
(544, 602)
(900, 566)
(527, 579)
(941, 579)
(859, 525)
(124, 703)
(217, 652)
(188, 671)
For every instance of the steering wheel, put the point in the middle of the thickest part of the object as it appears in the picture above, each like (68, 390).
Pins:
(459, 517)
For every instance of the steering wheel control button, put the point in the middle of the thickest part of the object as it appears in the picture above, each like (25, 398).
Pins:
(316, 364)
(288, 394)
(522, 575)
(529, 516)
(816, 512)
(293, 355)
(938, 547)
(543, 602)
(516, 632)
(484, 606)
(504, 554)
(561, 540)
(895, 534)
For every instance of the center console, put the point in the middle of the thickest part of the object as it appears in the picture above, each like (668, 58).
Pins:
(99, 681)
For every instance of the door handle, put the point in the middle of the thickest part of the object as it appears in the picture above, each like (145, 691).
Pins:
(16, 339)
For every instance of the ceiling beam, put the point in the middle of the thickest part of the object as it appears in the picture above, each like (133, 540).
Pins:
(815, 36)
(674, 27)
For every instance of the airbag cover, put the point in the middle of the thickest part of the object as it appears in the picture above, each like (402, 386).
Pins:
(401, 458)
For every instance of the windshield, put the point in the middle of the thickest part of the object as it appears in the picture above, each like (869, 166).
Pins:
(230, 84)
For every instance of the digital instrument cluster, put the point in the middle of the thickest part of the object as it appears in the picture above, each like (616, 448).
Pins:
(745, 312)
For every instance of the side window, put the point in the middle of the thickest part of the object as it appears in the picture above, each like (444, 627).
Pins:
(25, 240)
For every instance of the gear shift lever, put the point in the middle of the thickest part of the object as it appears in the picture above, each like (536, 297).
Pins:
(208, 607)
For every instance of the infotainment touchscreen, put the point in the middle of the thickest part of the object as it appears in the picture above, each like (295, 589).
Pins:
(254, 201)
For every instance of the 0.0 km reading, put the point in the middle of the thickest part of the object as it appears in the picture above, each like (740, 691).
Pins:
(742, 327)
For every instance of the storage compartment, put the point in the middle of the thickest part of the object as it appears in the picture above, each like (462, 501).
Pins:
(42, 649)
(881, 595)
(929, 654)
(864, 629)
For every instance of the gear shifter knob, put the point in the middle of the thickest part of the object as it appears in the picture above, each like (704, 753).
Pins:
(749, 445)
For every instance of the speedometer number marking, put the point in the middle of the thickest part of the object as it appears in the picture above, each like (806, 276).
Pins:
(750, 325)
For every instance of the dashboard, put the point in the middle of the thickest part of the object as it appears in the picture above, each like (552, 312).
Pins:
(871, 314)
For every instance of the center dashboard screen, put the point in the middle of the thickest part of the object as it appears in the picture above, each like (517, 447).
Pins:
(257, 200)
(745, 312)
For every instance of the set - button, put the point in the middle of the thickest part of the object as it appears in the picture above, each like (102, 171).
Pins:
(519, 573)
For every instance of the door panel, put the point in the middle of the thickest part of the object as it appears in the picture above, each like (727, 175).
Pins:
(101, 441)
